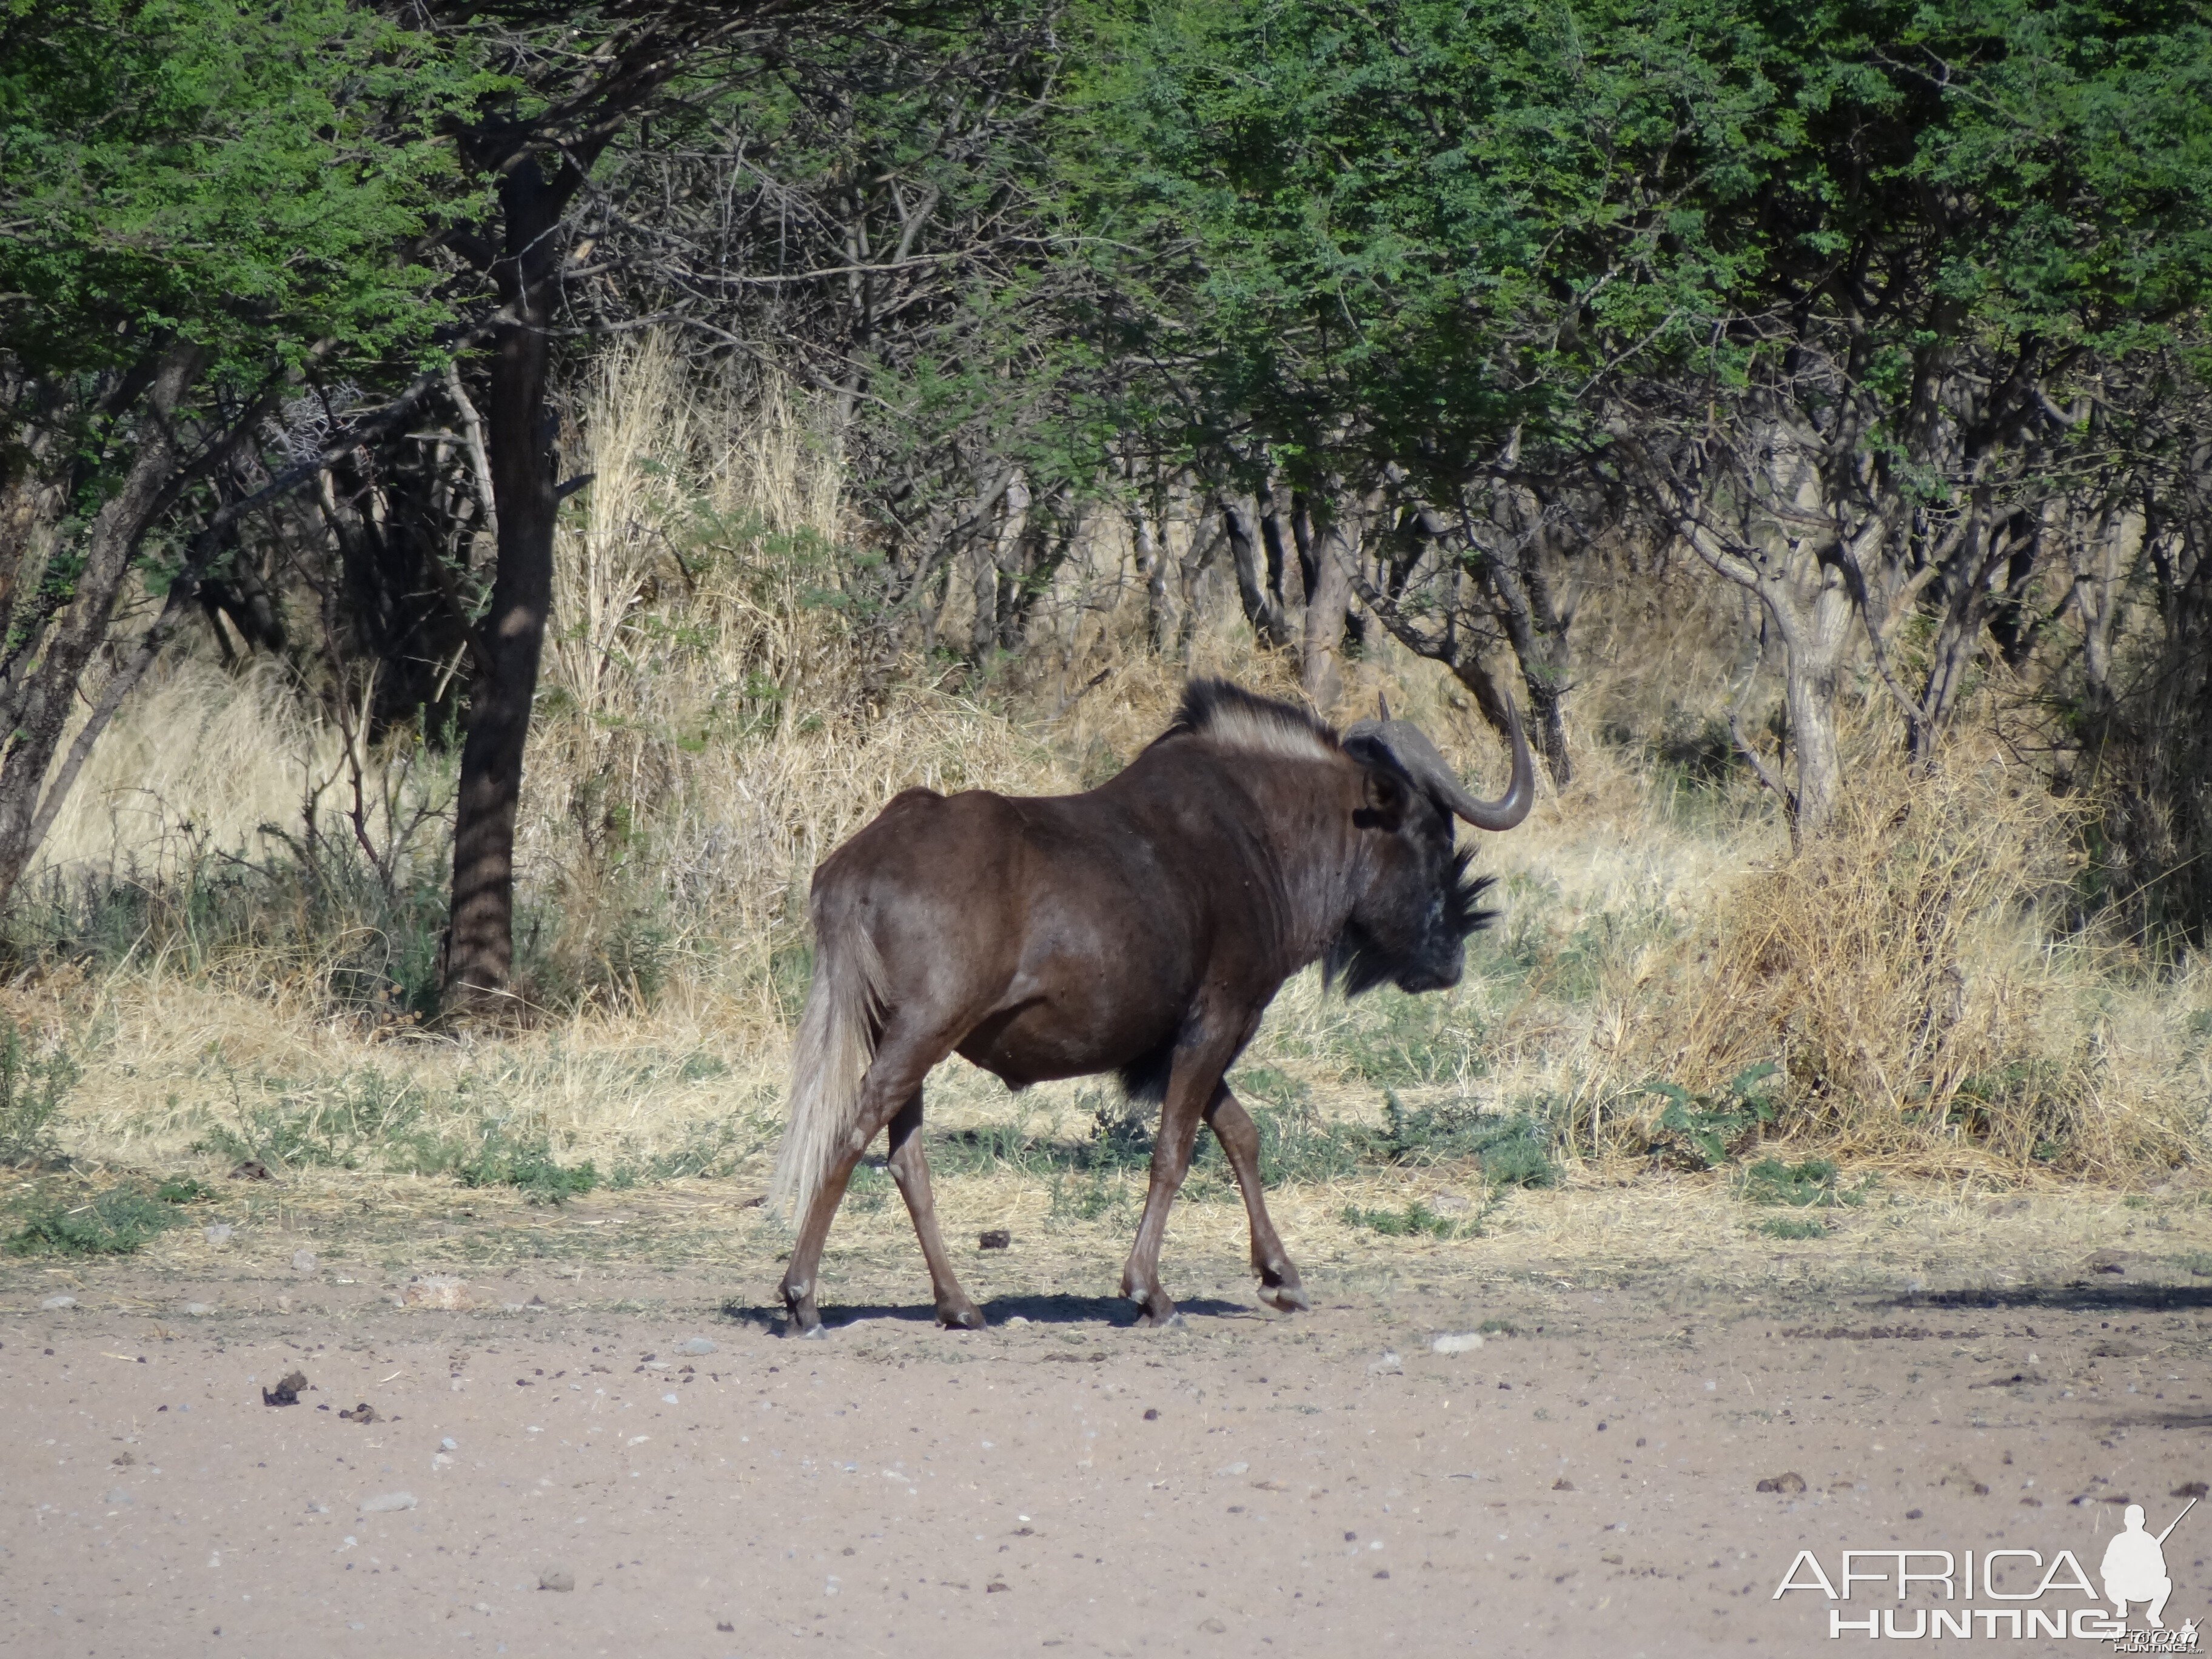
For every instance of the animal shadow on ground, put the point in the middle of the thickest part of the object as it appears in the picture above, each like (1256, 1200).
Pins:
(1109, 1310)
(2081, 1296)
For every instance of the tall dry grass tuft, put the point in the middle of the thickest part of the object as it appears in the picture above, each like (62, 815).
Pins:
(1906, 976)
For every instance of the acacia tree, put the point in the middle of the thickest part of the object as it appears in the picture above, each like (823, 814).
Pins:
(1826, 285)
(574, 81)
(203, 202)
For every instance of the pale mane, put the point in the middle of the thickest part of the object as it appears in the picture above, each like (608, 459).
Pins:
(1231, 717)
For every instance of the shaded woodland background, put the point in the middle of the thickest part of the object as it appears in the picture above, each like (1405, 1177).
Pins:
(492, 498)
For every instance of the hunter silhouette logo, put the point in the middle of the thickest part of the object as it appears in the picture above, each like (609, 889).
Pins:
(2134, 1568)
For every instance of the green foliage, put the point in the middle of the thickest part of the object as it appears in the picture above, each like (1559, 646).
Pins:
(245, 176)
(1416, 1220)
(1812, 1184)
(32, 1093)
(115, 1223)
(1700, 1131)
(526, 1163)
(1392, 234)
(1791, 1226)
(184, 1189)
(1514, 1148)
(1398, 1041)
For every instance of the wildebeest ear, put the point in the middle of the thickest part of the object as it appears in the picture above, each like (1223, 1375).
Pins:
(1385, 797)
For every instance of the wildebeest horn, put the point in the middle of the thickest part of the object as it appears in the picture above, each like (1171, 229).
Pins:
(1419, 757)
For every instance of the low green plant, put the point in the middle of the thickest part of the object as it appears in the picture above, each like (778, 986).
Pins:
(1094, 1195)
(31, 1093)
(1816, 1183)
(1791, 1226)
(1701, 1131)
(115, 1223)
(528, 1166)
(183, 1190)
(1415, 1220)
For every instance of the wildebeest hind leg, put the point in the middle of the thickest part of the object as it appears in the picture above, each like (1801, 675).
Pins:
(911, 1170)
(1240, 1142)
(894, 1077)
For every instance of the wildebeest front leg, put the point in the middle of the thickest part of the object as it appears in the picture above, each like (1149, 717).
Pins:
(911, 1170)
(1240, 1142)
(1191, 1082)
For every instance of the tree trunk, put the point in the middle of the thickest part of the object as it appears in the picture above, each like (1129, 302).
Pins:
(1816, 638)
(44, 695)
(1263, 608)
(480, 939)
(1327, 599)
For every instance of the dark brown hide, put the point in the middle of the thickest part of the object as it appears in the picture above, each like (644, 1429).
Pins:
(1141, 928)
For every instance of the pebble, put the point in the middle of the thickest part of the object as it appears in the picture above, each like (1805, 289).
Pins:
(1232, 1468)
(387, 1502)
(449, 1444)
(557, 1578)
(668, 1400)
(56, 1303)
(1788, 1482)
(303, 1261)
(1457, 1342)
(198, 1310)
(1387, 1363)
(116, 1496)
(1017, 1320)
(698, 1345)
(220, 1233)
(439, 1291)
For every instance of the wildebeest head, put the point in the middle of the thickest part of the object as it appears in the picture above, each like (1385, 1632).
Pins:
(1410, 921)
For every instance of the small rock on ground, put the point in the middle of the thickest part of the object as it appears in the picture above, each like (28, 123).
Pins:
(439, 1291)
(220, 1233)
(1788, 1481)
(557, 1578)
(1457, 1342)
(303, 1261)
(56, 1303)
(388, 1502)
(699, 1344)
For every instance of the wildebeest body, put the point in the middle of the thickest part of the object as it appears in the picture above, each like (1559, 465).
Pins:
(1141, 927)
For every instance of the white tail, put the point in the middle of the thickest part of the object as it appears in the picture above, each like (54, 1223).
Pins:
(829, 1057)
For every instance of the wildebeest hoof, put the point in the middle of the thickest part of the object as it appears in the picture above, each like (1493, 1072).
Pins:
(1285, 1298)
(1170, 1320)
(816, 1331)
(967, 1317)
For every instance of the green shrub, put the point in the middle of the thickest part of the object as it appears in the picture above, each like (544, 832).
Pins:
(1791, 1226)
(527, 1165)
(1415, 1220)
(1700, 1131)
(183, 1190)
(1814, 1184)
(32, 1091)
(115, 1223)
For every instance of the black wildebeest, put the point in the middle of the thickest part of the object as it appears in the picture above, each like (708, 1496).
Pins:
(1140, 928)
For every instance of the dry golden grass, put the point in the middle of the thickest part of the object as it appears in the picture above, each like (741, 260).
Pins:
(708, 733)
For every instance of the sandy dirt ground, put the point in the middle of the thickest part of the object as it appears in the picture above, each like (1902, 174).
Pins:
(613, 1450)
